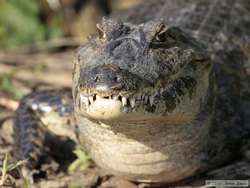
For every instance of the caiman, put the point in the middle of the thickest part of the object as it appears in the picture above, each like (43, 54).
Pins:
(160, 95)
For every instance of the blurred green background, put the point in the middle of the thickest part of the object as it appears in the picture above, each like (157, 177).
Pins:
(38, 37)
(23, 22)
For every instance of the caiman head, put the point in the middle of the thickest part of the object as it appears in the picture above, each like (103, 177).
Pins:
(141, 72)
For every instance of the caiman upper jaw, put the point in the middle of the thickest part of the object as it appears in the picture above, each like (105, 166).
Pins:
(107, 80)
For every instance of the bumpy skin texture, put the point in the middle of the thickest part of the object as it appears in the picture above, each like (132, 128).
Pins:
(39, 114)
(154, 101)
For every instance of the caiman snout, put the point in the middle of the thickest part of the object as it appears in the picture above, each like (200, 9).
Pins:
(109, 79)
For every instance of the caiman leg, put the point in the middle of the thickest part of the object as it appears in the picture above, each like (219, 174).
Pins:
(37, 113)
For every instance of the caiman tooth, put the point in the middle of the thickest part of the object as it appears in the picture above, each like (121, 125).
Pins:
(84, 100)
(87, 102)
(151, 100)
(91, 100)
(132, 102)
(115, 97)
(98, 97)
(139, 96)
(142, 97)
(124, 101)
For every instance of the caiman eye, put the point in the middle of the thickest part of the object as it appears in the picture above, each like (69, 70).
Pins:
(162, 40)
(160, 37)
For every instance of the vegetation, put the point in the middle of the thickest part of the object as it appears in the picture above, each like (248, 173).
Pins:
(20, 24)
(82, 161)
(6, 85)
(6, 168)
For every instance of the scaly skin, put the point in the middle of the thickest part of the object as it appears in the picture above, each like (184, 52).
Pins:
(155, 101)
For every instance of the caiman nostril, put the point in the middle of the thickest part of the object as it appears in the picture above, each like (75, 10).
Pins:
(108, 79)
(104, 78)
(118, 78)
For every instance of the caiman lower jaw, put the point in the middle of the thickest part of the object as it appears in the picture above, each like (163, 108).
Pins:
(113, 106)
(115, 110)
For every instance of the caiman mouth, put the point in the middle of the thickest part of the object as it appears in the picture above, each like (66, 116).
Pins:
(146, 106)
(109, 93)
(103, 106)
(147, 102)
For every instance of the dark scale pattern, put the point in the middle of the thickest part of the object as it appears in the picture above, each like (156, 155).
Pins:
(214, 22)
(207, 19)
(31, 131)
